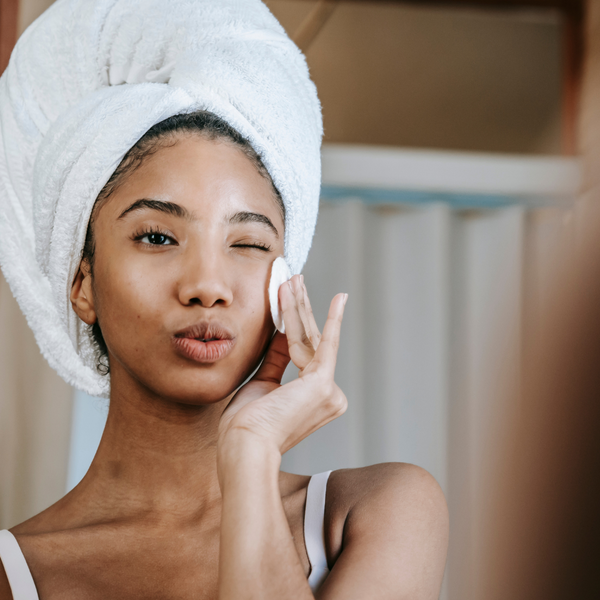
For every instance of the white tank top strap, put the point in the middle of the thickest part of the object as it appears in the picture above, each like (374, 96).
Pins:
(19, 576)
(314, 531)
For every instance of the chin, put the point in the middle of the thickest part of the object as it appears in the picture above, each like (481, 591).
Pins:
(203, 394)
(195, 384)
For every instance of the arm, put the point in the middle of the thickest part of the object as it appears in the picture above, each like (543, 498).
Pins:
(395, 538)
(257, 556)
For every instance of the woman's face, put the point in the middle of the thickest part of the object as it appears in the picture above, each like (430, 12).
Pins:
(183, 254)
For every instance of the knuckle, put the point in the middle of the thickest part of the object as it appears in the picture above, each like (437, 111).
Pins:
(327, 388)
(297, 346)
(300, 352)
(305, 339)
(341, 402)
(314, 339)
(337, 402)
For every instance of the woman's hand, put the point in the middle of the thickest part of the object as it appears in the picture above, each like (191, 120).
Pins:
(282, 416)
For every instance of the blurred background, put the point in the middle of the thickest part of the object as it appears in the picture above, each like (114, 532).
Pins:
(457, 151)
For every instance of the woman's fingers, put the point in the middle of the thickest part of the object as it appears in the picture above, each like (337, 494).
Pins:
(287, 414)
(326, 354)
(299, 344)
(276, 360)
(308, 319)
(299, 292)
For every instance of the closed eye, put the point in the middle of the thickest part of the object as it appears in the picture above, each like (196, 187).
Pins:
(258, 246)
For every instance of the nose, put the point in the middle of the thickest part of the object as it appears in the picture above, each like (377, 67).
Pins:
(204, 282)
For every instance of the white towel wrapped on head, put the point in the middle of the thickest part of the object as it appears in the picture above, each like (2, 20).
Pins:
(85, 81)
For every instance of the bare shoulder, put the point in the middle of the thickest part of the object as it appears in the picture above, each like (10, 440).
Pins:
(401, 487)
(26, 527)
(394, 535)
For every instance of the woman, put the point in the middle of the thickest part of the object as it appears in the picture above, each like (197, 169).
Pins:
(162, 244)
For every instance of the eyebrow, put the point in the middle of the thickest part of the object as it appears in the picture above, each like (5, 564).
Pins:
(171, 208)
(252, 217)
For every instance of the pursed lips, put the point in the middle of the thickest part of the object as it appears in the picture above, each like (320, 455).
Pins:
(204, 342)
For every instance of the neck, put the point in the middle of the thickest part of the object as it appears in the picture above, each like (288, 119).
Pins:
(156, 458)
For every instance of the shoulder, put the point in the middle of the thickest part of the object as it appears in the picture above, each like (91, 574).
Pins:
(36, 537)
(5, 589)
(392, 522)
(385, 486)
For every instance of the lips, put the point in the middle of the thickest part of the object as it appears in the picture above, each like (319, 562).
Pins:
(205, 342)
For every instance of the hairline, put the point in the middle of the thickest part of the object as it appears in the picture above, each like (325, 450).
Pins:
(162, 142)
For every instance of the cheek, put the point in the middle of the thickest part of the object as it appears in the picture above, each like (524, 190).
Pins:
(131, 303)
(254, 316)
(252, 299)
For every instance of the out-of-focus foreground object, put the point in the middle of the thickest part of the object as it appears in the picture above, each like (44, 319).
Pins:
(542, 510)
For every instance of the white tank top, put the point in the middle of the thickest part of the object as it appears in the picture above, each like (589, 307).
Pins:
(23, 587)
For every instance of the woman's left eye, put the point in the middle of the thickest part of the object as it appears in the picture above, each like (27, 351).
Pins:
(259, 246)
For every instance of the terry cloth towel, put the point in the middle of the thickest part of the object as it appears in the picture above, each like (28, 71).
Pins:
(85, 81)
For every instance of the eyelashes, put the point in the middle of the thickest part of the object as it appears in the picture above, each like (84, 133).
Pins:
(153, 233)
(257, 245)
(157, 237)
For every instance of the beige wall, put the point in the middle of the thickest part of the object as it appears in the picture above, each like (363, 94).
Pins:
(29, 10)
(431, 77)
(35, 420)
(405, 75)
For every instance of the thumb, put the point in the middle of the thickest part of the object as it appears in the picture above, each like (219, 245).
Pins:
(276, 360)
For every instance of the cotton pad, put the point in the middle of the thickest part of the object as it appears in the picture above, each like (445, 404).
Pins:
(280, 273)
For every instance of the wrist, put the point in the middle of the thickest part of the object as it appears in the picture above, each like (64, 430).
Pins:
(240, 448)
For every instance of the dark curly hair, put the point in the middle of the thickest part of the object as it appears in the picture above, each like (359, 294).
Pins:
(161, 135)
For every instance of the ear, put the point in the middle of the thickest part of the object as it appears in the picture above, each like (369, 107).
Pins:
(82, 297)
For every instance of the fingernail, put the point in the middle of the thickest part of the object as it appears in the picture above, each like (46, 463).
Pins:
(345, 299)
(302, 278)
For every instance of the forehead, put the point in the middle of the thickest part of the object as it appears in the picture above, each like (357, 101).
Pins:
(208, 177)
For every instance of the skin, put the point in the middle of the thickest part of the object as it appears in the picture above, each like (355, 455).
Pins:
(185, 497)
